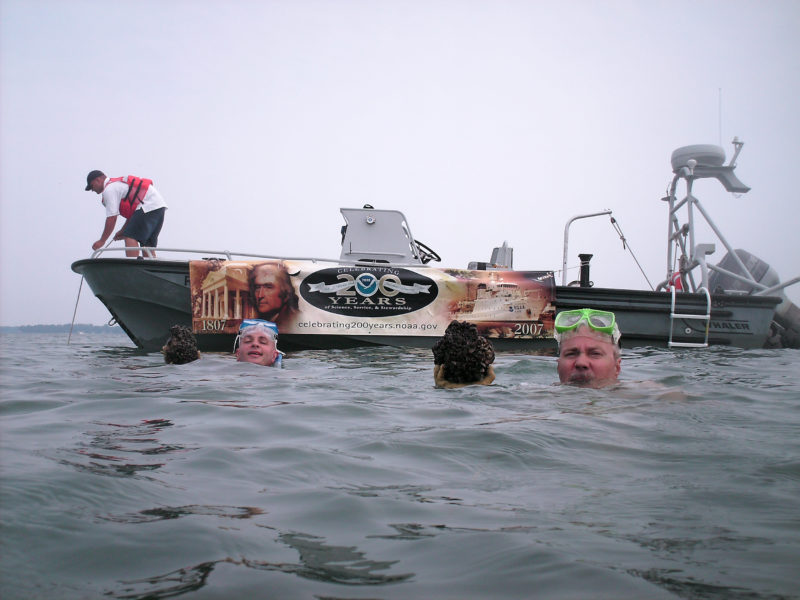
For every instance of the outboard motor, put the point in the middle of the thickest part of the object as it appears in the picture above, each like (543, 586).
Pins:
(785, 330)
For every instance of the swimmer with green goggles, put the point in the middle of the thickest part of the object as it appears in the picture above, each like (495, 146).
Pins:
(601, 321)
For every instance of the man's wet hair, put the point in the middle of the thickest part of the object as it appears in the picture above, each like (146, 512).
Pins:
(466, 356)
(181, 347)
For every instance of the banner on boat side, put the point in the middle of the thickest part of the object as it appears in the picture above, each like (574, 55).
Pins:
(317, 298)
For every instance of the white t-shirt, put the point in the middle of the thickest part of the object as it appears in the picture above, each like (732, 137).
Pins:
(115, 192)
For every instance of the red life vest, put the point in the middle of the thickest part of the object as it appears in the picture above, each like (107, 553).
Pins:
(675, 282)
(137, 188)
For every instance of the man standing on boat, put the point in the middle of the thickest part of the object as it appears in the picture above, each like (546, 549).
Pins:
(588, 347)
(138, 201)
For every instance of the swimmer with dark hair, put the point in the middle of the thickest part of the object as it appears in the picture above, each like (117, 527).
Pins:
(181, 347)
(462, 357)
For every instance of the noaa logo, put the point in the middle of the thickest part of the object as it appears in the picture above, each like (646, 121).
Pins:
(366, 284)
(368, 291)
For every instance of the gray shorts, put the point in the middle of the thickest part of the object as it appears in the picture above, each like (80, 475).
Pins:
(145, 227)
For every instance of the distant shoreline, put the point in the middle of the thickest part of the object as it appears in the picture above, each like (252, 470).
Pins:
(78, 328)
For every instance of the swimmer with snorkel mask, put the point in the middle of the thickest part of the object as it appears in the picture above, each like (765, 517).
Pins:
(589, 352)
(257, 343)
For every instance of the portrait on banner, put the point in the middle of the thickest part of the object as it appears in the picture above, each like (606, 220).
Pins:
(226, 292)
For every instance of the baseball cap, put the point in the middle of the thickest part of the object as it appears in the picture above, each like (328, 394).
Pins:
(93, 175)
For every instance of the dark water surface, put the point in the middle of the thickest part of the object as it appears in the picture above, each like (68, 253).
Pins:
(347, 475)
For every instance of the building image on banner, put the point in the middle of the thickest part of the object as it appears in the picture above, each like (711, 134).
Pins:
(326, 298)
(223, 294)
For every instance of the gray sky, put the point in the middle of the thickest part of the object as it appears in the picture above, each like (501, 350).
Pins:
(482, 121)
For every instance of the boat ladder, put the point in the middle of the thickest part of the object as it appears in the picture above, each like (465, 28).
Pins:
(700, 317)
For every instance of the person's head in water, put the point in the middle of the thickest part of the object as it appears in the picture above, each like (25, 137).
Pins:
(271, 291)
(181, 347)
(588, 347)
(462, 357)
(257, 343)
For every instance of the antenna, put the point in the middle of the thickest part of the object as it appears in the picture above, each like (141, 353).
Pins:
(719, 115)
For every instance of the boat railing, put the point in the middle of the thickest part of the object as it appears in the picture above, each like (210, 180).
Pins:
(233, 255)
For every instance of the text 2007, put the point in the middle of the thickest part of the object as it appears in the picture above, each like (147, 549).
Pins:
(528, 329)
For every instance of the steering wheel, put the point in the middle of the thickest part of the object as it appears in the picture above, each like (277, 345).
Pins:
(426, 254)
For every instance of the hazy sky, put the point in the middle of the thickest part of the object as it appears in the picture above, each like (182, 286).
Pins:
(482, 121)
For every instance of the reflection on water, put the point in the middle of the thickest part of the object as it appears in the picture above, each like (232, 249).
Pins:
(687, 588)
(332, 564)
(108, 451)
(407, 531)
(400, 492)
(229, 403)
(317, 561)
(168, 585)
(162, 513)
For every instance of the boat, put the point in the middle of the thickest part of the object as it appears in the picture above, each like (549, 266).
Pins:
(382, 290)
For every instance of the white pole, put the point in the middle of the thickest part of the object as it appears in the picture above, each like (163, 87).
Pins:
(566, 240)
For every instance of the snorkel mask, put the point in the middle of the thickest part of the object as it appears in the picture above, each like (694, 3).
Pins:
(600, 321)
(259, 326)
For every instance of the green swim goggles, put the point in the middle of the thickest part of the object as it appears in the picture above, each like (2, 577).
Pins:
(599, 320)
